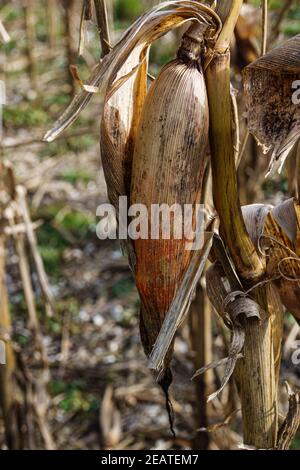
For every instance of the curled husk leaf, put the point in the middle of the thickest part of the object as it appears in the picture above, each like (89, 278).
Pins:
(276, 233)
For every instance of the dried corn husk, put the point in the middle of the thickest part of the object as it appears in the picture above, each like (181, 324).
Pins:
(109, 75)
(273, 116)
(169, 162)
(121, 78)
(178, 97)
(234, 306)
(276, 231)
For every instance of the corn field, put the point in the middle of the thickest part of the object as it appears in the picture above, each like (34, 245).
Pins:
(149, 225)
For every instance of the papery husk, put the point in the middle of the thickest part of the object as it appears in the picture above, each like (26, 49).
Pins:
(169, 162)
(276, 232)
(283, 224)
(273, 117)
(108, 75)
(121, 116)
(234, 306)
(120, 78)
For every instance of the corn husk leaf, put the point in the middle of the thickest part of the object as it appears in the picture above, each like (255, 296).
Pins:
(180, 305)
(273, 115)
(137, 40)
(277, 234)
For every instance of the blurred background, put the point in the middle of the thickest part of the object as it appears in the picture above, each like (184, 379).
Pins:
(81, 375)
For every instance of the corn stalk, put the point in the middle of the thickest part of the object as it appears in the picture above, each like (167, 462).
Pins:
(256, 372)
(7, 371)
(70, 7)
(31, 38)
(52, 22)
(201, 342)
(102, 21)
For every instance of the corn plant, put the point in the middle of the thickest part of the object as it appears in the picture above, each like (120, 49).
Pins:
(157, 144)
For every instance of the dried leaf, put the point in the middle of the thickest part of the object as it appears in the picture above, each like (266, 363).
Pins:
(179, 306)
(278, 235)
(135, 40)
(273, 115)
(291, 424)
(110, 420)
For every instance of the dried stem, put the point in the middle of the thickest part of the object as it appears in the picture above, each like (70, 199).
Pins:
(34, 324)
(102, 21)
(229, 12)
(70, 7)
(264, 27)
(291, 424)
(7, 371)
(200, 333)
(52, 22)
(31, 37)
(42, 277)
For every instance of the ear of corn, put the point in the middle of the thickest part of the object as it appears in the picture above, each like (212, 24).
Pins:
(165, 135)
(168, 167)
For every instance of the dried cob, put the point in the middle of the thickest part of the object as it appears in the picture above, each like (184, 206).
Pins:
(168, 168)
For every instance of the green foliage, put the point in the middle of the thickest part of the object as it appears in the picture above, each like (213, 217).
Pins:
(61, 227)
(127, 10)
(271, 186)
(24, 115)
(53, 326)
(291, 29)
(296, 443)
(79, 224)
(12, 14)
(75, 144)
(122, 288)
(22, 340)
(76, 176)
(9, 47)
(75, 396)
